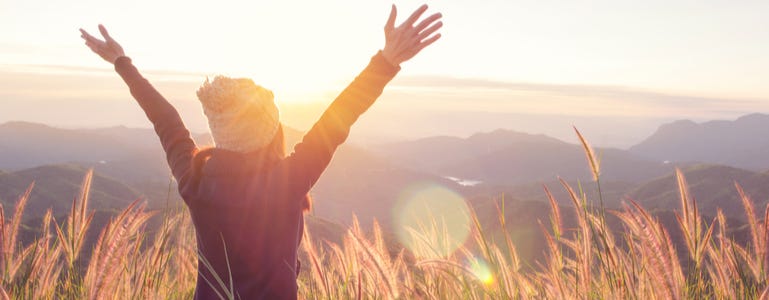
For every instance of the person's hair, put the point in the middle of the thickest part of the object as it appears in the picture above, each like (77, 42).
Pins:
(273, 152)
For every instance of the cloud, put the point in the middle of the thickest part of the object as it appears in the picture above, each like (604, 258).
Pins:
(641, 96)
(443, 85)
(8, 69)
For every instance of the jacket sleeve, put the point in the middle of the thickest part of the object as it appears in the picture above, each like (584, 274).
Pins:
(174, 136)
(313, 154)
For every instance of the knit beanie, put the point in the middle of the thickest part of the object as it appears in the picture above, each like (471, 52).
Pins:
(241, 115)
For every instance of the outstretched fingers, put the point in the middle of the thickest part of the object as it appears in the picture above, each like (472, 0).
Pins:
(430, 30)
(415, 16)
(87, 36)
(93, 43)
(108, 49)
(104, 33)
(427, 21)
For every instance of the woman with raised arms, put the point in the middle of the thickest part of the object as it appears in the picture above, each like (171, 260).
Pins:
(245, 195)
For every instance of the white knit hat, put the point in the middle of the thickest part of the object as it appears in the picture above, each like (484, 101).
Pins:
(241, 115)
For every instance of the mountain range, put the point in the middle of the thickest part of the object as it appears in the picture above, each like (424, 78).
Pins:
(742, 143)
(509, 157)
(368, 180)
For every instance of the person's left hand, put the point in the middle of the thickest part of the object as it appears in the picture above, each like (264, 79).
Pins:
(108, 49)
(405, 41)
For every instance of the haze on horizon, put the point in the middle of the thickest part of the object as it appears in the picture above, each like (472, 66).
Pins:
(616, 69)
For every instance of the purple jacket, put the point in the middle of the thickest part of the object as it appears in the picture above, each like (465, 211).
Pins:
(247, 212)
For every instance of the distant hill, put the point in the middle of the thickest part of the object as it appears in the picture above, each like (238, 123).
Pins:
(323, 229)
(128, 154)
(365, 184)
(613, 192)
(509, 157)
(711, 185)
(435, 152)
(24, 145)
(742, 143)
(57, 185)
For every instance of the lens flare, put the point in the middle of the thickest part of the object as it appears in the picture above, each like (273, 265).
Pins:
(481, 271)
(431, 221)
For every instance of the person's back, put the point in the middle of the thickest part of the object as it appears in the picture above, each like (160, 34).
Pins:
(246, 197)
(260, 247)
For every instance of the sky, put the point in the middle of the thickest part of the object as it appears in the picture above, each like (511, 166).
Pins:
(532, 66)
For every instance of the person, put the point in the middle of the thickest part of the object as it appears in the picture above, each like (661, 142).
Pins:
(246, 197)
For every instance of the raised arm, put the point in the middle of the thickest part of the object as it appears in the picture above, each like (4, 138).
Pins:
(174, 136)
(311, 157)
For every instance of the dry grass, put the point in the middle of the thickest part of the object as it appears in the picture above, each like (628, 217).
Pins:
(121, 266)
(588, 261)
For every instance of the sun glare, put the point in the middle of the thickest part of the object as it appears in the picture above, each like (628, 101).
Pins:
(432, 221)
(481, 271)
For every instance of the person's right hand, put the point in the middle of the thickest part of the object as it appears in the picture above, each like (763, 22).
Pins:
(108, 49)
